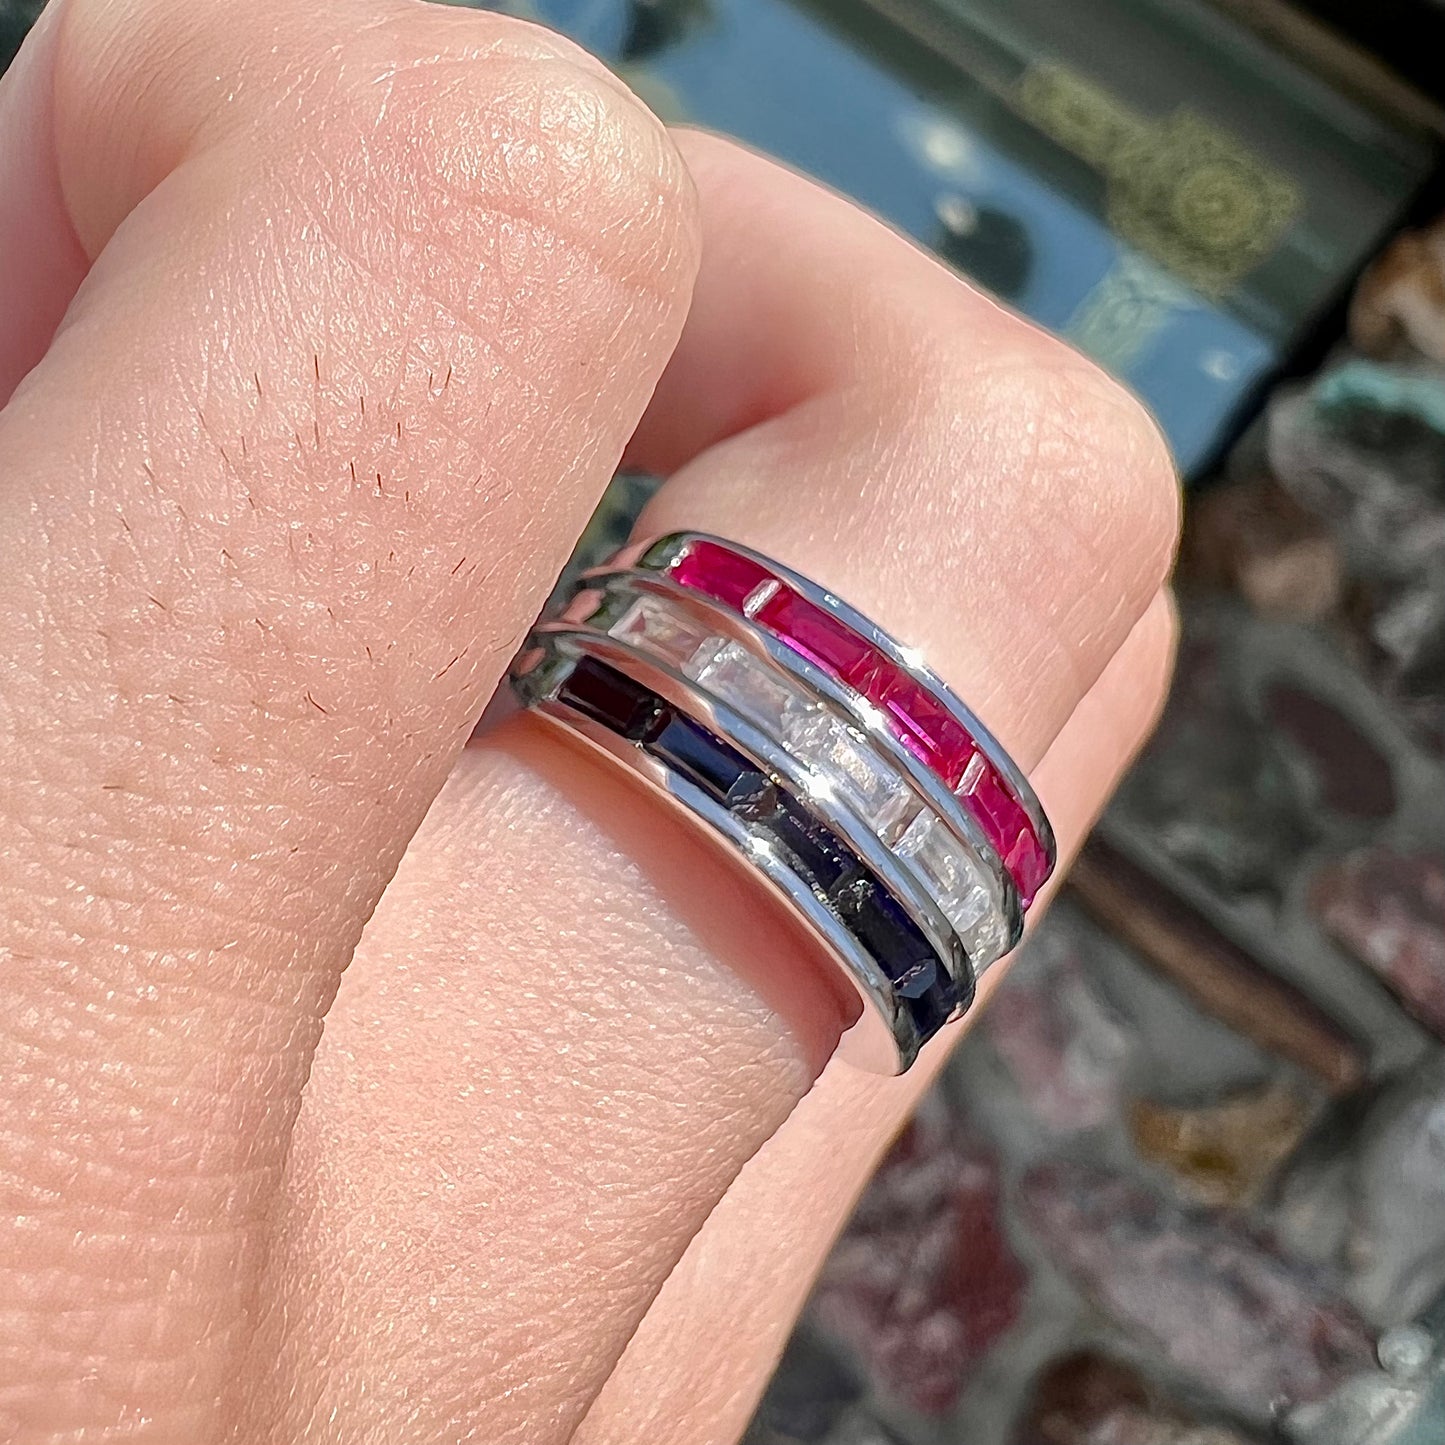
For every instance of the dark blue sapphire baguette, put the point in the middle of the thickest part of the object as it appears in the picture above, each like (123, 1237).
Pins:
(845, 884)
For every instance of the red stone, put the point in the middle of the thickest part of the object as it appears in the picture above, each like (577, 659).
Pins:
(957, 749)
(1007, 826)
(870, 674)
(915, 709)
(1029, 865)
(925, 1283)
(1388, 909)
(719, 573)
(817, 634)
(994, 806)
(915, 714)
(1066, 1050)
(917, 718)
(906, 708)
(1225, 1309)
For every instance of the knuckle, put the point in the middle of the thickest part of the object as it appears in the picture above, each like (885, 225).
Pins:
(521, 140)
(1050, 413)
(500, 143)
(534, 179)
(492, 106)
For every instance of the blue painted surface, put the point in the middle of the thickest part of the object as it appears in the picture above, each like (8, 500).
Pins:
(773, 76)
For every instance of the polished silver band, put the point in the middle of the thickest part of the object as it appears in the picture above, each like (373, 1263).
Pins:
(858, 787)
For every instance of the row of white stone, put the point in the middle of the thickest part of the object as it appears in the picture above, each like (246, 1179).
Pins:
(841, 758)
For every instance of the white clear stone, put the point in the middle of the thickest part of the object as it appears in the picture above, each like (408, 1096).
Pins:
(662, 629)
(962, 887)
(730, 672)
(862, 779)
(987, 941)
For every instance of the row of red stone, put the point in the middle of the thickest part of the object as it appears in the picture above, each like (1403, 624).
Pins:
(918, 718)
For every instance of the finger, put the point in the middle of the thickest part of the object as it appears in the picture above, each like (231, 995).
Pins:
(746, 1275)
(41, 259)
(603, 1022)
(977, 462)
(379, 292)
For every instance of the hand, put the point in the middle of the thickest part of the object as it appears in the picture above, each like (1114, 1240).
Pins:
(359, 304)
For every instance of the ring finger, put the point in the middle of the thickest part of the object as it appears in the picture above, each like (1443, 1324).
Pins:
(566, 1029)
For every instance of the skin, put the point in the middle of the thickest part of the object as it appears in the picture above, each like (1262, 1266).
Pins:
(325, 327)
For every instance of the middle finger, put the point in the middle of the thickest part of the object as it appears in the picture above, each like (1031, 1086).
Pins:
(568, 1026)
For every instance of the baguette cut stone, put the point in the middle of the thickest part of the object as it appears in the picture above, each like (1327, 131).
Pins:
(720, 573)
(606, 696)
(662, 629)
(821, 638)
(918, 710)
(702, 758)
(1029, 865)
(825, 861)
(924, 992)
(1006, 825)
(862, 779)
(913, 711)
(924, 988)
(961, 886)
(730, 672)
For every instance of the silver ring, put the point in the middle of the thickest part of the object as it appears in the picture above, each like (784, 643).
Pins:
(824, 754)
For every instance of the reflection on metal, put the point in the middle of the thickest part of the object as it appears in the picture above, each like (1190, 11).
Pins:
(1184, 191)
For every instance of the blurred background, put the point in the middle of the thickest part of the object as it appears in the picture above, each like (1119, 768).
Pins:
(1184, 1184)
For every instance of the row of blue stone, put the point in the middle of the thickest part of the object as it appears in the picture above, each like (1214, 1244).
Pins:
(852, 891)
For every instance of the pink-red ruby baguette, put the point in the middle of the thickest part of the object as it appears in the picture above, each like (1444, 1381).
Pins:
(916, 717)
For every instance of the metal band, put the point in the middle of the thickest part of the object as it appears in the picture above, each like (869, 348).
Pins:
(658, 555)
(935, 721)
(771, 759)
(860, 790)
(604, 607)
(892, 964)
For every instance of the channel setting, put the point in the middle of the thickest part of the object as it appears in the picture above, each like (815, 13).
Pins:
(862, 790)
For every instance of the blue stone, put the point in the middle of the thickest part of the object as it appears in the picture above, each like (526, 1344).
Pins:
(691, 750)
(934, 1007)
(825, 861)
(858, 896)
(890, 934)
(606, 696)
(906, 956)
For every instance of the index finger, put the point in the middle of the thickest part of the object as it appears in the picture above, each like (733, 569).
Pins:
(378, 292)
